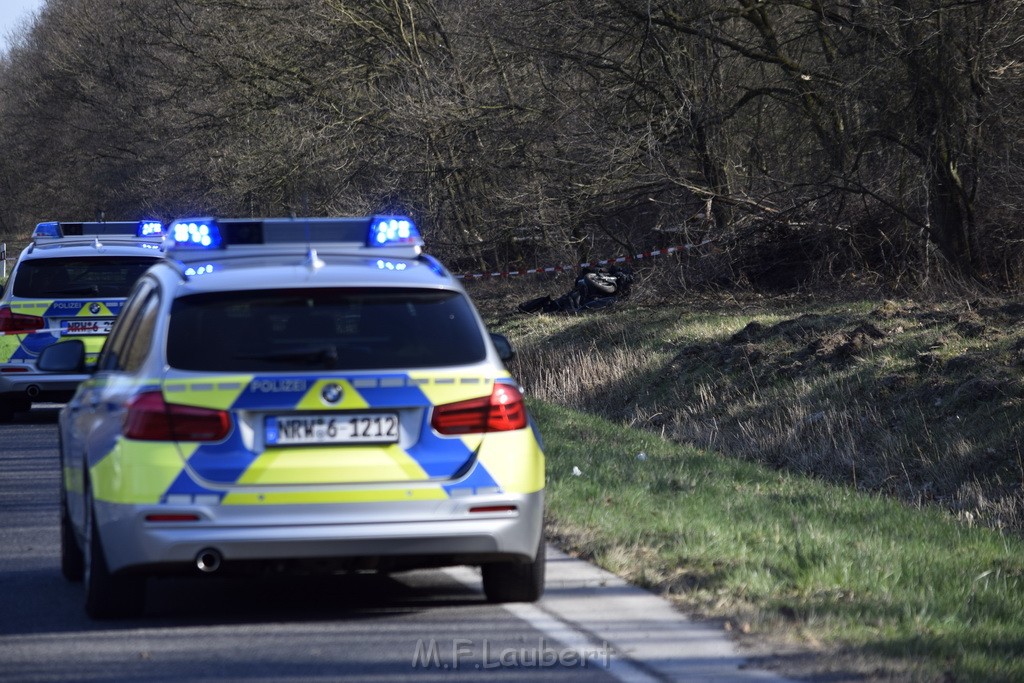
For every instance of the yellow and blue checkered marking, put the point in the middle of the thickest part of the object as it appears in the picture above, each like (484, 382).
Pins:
(434, 467)
(27, 347)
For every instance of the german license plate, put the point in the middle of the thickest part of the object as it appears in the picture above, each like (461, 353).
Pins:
(86, 326)
(346, 428)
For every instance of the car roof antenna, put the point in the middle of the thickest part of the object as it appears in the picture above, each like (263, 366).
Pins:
(313, 260)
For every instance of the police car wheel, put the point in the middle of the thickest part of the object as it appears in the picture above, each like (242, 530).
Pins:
(11, 404)
(107, 596)
(515, 581)
(72, 560)
(8, 406)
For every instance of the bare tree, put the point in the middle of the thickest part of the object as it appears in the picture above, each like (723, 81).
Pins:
(801, 135)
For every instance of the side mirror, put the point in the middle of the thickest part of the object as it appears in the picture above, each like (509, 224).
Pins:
(63, 357)
(503, 346)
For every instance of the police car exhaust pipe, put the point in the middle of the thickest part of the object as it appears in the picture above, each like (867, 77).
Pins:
(208, 560)
(32, 391)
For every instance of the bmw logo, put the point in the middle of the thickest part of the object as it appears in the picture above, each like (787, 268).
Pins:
(331, 394)
(94, 308)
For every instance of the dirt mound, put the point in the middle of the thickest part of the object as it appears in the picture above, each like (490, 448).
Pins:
(810, 337)
(928, 378)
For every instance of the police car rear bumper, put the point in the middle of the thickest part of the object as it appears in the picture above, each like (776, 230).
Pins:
(406, 535)
(39, 386)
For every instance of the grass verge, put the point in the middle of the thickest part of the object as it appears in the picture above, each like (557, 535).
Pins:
(920, 402)
(909, 593)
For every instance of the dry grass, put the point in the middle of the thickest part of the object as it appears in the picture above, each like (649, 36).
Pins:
(917, 401)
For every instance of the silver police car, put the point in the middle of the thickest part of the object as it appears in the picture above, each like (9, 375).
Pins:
(299, 392)
(69, 283)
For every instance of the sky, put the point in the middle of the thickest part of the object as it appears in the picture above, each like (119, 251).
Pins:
(12, 14)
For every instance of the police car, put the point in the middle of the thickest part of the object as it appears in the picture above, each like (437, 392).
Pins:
(69, 283)
(300, 393)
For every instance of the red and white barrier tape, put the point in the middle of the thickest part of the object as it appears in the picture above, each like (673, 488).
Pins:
(573, 269)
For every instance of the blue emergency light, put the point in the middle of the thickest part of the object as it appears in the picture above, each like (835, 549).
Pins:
(150, 229)
(391, 265)
(48, 229)
(205, 269)
(393, 231)
(197, 233)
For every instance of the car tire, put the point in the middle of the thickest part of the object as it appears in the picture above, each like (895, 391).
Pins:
(13, 403)
(600, 284)
(72, 560)
(9, 405)
(515, 581)
(107, 596)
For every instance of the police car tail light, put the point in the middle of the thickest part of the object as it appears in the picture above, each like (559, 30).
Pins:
(19, 323)
(502, 411)
(150, 418)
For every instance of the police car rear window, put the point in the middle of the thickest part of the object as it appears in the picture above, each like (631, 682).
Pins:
(309, 329)
(66, 277)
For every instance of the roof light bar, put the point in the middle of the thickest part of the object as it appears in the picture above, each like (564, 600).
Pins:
(196, 234)
(147, 229)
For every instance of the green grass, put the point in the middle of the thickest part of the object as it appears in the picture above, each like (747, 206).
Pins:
(845, 477)
(908, 588)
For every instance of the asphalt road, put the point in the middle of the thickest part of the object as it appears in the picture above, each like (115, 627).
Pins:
(423, 626)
